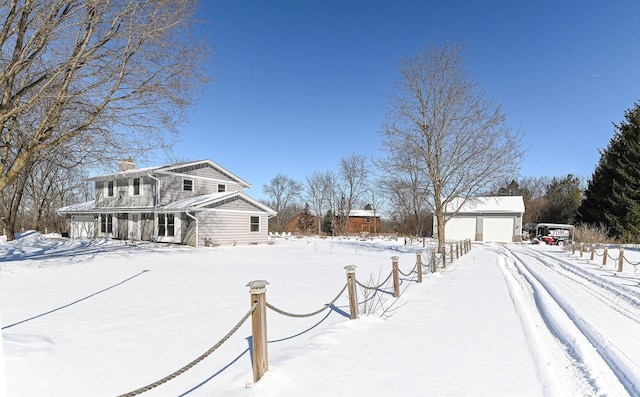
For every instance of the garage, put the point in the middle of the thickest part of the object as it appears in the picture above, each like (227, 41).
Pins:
(495, 219)
(460, 228)
(82, 226)
(499, 229)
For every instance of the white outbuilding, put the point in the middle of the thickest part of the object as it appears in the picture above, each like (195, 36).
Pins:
(491, 219)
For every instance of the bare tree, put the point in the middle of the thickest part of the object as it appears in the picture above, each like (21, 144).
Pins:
(333, 194)
(107, 76)
(317, 196)
(407, 187)
(439, 118)
(283, 193)
(353, 183)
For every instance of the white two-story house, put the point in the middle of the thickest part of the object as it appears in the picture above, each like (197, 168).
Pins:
(196, 203)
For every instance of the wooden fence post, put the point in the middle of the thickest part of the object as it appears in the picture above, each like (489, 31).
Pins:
(581, 249)
(419, 265)
(621, 260)
(258, 290)
(451, 252)
(573, 248)
(351, 286)
(593, 251)
(434, 265)
(458, 250)
(604, 257)
(444, 257)
(396, 284)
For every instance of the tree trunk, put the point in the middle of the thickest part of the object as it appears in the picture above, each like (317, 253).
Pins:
(13, 212)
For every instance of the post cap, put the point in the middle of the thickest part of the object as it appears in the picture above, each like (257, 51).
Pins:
(350, 268)
(395, 258)
(257, 284)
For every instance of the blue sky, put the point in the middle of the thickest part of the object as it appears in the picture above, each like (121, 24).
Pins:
(299, 85)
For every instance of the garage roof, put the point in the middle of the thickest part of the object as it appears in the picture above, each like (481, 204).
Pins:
(490, 204)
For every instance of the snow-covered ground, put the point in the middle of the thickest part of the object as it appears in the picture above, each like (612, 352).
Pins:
(102, 318)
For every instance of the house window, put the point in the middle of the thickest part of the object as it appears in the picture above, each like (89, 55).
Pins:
(255, 223)
(106, 223)
(109, 188)
(166, 225)
(187, 185)
(367, 220)
(136, 186)
(222, 188)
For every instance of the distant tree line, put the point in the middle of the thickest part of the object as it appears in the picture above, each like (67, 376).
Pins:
(610, 202)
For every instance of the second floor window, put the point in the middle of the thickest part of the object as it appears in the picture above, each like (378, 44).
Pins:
(109, 188)
(187, 185)
(222, 188)
(136, 186)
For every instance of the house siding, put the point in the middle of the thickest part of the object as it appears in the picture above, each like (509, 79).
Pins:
(122, 193)
(360, 224)
(171, 187)
(222, 227)
(229, 222)
(206, 171)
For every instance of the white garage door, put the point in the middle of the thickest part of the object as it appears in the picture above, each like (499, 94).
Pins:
(498, 230)
(460, 228)
(82, 226)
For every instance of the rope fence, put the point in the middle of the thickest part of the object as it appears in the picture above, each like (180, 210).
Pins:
(328, 305)
(194, 362)
(259, 304)
(592, 249)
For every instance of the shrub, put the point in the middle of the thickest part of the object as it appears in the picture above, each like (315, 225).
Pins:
(593, 234)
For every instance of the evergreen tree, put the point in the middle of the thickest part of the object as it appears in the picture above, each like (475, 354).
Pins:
(563, 197)
(306, 221)
(612, 197)
(327, 223)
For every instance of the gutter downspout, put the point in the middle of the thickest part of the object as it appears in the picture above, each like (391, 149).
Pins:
(197, 226)
(155, 206)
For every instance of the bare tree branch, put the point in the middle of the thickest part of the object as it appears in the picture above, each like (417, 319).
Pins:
(107, 76)
(441, 133)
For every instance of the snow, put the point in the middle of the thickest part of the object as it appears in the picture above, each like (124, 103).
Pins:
(103, 318)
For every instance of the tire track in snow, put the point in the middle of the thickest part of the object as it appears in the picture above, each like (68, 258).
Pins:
(610, 370)
(556, 370)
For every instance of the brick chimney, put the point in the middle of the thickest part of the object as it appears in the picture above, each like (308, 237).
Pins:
(126, 165)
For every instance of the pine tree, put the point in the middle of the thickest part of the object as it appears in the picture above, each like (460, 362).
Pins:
(612, 197)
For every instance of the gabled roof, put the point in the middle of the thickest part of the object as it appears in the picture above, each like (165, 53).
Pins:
(124, 174)
(168, 169)
(173, 167)
(490, 204)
